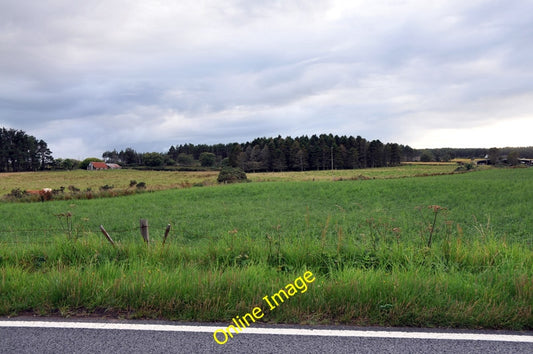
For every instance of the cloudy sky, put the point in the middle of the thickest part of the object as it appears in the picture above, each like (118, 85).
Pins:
(90, 76)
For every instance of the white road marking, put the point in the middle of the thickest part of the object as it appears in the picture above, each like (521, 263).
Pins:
(275, 331)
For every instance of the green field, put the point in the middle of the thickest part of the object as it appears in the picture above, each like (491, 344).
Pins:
(445, 250)
(161, 180)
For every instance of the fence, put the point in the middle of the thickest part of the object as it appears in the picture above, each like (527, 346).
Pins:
(69, 231)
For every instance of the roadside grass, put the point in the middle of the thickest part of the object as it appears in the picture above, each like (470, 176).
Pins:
(473, 284)
(366, 241)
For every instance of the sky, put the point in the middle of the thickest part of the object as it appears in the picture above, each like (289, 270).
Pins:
(93, 76)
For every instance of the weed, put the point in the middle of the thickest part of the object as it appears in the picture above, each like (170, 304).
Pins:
(67, 226)
(431, 226)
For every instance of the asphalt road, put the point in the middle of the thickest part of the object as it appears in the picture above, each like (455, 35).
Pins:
(116, 336)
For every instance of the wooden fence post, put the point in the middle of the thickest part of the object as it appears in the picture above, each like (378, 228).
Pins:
(144, 231)
(107, 235)
(166, 234)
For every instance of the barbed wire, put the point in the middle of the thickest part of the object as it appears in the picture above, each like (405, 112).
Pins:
(38, 236)
(65, 230)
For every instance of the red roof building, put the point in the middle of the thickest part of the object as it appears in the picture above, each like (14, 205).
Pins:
(97, 166)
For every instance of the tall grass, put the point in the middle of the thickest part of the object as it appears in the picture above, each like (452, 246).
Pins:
(366, 242)
(120, 179)
(479, 283)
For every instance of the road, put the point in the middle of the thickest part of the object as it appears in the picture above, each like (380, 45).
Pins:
(34, 335)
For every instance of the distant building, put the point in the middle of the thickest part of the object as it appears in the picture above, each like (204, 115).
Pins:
(93, 166)
(97, 166)
(504, 160)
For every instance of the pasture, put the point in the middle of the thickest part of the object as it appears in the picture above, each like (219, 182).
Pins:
(441, 250)
(161, 180)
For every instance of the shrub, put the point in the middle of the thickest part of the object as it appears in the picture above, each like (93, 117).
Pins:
(466, 167)
(232, 175)
(16, 193)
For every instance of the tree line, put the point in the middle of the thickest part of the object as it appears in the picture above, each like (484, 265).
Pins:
(447, 154)
(22, 152)
(318, 152)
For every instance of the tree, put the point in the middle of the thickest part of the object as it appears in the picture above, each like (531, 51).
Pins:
(111, 156)
(254, 163)
(361, 145)
(408, 153)
(235, 155)
(66, 164)
(352, 158)
(301, 160)
(494, 156)
(427, 156)
(207, 159)
(395, 156)
(266, 158)
(376, 154)
(44, 155)
(315, 153)
(185, 159)
(279, 162)
(513, 159)
(152, 159)
(294, 159)
(338, 156)
(129, 156)
(22, 152)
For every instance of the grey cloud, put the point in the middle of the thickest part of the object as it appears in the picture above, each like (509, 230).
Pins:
(225, 71)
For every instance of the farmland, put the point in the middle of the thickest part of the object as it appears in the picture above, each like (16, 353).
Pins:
(441, 250)
(160, 180)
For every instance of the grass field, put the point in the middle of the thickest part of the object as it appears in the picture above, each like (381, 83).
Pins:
(160, 180)
(120, 179)
(445, 250)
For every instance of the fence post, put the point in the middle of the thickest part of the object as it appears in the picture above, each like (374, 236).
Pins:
(144, 231)
(107, 235)
(166, 234)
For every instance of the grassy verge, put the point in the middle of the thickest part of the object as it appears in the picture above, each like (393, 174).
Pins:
(453, 284)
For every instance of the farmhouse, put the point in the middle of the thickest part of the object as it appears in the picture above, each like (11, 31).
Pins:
(102, 166)
(97, 166)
